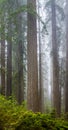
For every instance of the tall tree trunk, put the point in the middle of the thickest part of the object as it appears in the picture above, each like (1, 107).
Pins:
(56, 91)
(2, 57)
(9, 54)
(9, 62)
(20, 56)
(66, 84)
(40, 65)
(32, 90)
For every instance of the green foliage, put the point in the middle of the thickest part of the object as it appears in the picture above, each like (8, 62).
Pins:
(16, 117)
(9, 112)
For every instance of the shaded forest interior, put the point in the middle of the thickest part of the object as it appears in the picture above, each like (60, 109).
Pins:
(34, 64)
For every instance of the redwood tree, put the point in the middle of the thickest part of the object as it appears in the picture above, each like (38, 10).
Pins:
(66, 84)
(20, 46)
(32, 90)
(9, 53)
(2, 56)
(56, 90)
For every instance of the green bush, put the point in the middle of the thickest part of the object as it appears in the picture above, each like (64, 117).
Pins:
(16, 117)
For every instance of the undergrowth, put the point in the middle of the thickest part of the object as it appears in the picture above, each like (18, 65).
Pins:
(16, 117)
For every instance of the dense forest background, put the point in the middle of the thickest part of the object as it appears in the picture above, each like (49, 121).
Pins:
(34, 53)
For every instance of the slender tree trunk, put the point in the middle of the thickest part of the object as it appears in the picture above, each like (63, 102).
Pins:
(40, 65)
(32, 90)
(66, 85)
(2, 57)
(56, 91)
(40, 74)
(20, 57)
(20, 73)
(9, 60)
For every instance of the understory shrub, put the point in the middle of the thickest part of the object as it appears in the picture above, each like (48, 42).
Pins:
(16, 117)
